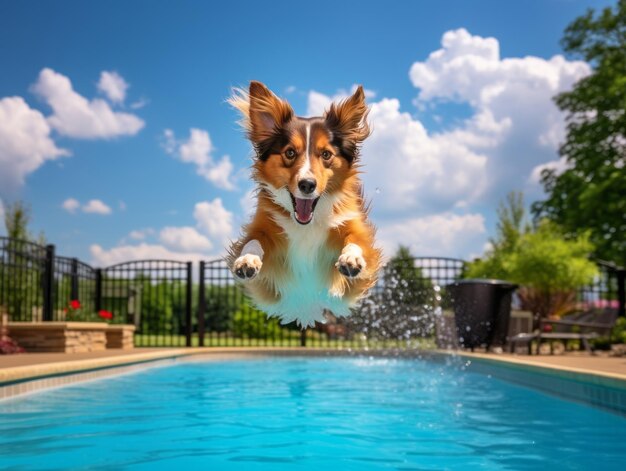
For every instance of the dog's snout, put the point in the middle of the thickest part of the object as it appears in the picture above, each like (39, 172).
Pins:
(307, 186)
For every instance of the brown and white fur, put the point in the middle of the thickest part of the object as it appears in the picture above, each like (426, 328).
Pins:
(310, 246)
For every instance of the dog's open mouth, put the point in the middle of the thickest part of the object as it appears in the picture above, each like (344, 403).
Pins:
(303, 208)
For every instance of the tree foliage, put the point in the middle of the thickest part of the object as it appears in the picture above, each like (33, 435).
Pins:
(16, 219)
(412, 286)
(512, 225)
(20, 266)
(548, 266)
(589, 194)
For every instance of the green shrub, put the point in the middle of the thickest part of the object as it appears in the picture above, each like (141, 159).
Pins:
(618, 334)
(547, 265)
(252, 323)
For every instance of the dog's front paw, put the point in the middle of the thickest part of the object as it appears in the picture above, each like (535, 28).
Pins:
(351, 261)
(247, 266)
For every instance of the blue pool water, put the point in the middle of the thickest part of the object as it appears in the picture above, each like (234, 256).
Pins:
(306, 414)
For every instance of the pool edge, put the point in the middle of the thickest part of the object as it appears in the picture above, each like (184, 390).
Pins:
(598, 388)
(20, 380)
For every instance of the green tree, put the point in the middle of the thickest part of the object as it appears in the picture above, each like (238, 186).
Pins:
(512, 225)
(547, 265)
(589, 194)
(411, 286)
(20, 293)
(16, 219)
(550, 268)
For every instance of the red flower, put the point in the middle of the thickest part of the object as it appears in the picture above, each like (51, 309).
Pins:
(105, 314)
(75, 304)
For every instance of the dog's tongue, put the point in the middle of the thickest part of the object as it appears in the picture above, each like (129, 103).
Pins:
(304, 209)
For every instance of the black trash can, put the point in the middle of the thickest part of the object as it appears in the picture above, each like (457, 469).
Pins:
(482, 310)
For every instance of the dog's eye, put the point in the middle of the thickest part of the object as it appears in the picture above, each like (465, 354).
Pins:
(326, 154)
(290, 154)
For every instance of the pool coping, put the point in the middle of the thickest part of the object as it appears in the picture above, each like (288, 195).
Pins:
(599, 388)
(585, 374)
(19, 380)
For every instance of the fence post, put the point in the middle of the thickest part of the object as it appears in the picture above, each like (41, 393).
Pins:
(48, 284)
(621, 291)
(98, 300)
(74, 279)
(201, 305)
(303, 338)
(189, 327)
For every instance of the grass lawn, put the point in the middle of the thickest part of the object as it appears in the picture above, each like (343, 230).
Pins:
(313, 341)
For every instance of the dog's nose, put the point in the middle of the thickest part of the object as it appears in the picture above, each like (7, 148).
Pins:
(307, 186)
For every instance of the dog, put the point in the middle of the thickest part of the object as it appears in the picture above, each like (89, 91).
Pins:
(310, 246)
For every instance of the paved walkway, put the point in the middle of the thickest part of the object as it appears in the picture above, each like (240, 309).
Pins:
(27, 359)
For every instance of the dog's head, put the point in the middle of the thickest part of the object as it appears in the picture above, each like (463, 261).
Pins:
(299, 159)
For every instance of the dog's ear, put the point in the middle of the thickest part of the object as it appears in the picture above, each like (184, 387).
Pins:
(348, 122)
(263, 112)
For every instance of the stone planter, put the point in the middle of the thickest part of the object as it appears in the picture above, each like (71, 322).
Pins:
(120, 336)
(66, 337)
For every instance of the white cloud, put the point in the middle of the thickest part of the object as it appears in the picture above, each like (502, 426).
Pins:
(25, 142)
(558, 165)
(124, 253)
(515, 122)
(113, 86)
(75, 116)
(446, 235)
(184, 239)
(141, 234)
(96, 207)
(71, 205)
(415, 170)
(513, 131)
(318, 102)
(411, 169)
(214, 228)
(198, 150)
(136, 105)
(214, 220)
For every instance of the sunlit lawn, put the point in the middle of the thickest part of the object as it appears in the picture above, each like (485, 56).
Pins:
(316, 341)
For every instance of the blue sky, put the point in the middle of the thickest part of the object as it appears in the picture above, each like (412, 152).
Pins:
(454, 130)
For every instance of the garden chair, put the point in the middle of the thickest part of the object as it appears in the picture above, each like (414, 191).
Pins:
(583, 326)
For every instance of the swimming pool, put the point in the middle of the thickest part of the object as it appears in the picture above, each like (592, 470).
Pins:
(306, 413)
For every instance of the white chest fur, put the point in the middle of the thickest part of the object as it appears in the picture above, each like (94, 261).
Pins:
(304, 294)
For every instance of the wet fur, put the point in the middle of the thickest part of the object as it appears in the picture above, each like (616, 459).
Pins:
(305, 269)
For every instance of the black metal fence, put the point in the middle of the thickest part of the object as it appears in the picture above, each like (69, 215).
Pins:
(154, 295)
(71, 280)
(171, 307)
(25, 290)
(400, 310)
